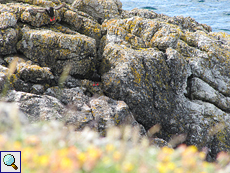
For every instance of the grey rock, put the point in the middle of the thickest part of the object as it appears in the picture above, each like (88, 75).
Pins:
(7, 20)
(71, 82)
(11, 116)
(108, 112)
(40, 19)
(8, 41)
(83, 24)
(36, 107)
(34, 73)
(99, 9)
(169, 73)
(77, 50)
(37, 89)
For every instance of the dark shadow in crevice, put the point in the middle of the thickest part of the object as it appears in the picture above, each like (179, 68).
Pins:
(189, 87)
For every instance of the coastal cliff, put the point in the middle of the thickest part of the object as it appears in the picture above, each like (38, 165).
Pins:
(119, 67)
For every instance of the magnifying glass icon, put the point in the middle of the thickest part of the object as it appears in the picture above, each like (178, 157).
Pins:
(9, 160)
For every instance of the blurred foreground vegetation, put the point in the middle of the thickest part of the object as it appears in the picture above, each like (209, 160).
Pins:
(52, 147)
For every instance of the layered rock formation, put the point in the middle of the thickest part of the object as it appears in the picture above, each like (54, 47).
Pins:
(151, 68)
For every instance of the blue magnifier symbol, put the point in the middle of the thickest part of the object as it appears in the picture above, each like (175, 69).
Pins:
(9, 160)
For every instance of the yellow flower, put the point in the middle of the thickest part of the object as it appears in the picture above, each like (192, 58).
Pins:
(171, 166)
(44, 160)
(27, 153)
(192, 149)
(82, 157)
(205, 164)
(161, 167)
(66, 163)
(179, 170)
(17, 145)
(189, 151)
(116, 155)
(128, 167)
(166, 167)
(94, 153)
(167, 150)
(109, 147)
(63, 152)
(106, 160)
(202, 155)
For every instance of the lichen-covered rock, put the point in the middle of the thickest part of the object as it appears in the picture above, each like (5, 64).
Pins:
(40, 19)
(8, 41)
(12, 81)
(108, 112)
(34, 73)
(170, 71)
(83, 24)
(37, 89)
(7, 20)
(37, 107)
(97, 112)
(56, 50)
(184, 23)
(11, 116)
(99, 9)
(27, 74)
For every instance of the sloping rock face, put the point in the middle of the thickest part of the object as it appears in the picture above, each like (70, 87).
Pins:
(101, 9)
(56, 50)
(164, 70)
(170, 73)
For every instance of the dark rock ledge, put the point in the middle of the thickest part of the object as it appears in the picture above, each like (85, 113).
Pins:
(150, 69)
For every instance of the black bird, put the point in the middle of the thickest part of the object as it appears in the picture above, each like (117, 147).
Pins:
(48, 10)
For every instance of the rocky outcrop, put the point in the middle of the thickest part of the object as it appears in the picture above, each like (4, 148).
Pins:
(174, 75)
(99, 65)
(100, 10)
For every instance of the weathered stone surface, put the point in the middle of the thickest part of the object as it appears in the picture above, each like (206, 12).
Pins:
(56, 50)
(41, 19)
(168, 73)
(74, 108)
(108, 112)
(185, 23)
(8, 41)
(11, 116)
(83, 24)
(37, 89)
(34, 73)
(171, 71)
(27, 74)
(99, 9)
(7, 20)
(37, 107)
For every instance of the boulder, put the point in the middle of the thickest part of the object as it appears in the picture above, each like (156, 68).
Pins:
(11, 117)
(99, 9)
(37, 107)
(169, 73)
(74, 108)
(83, 24)
(8, 40)
(108, 112)
(57, 50)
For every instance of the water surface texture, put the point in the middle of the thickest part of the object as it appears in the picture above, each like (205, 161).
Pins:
(215, 13)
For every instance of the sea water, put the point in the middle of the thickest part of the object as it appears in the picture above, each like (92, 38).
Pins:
(215, 13)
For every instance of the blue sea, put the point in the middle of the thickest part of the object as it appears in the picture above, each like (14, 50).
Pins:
(215, 13)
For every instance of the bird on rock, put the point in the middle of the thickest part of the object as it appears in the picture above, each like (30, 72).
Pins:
(48, 10)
